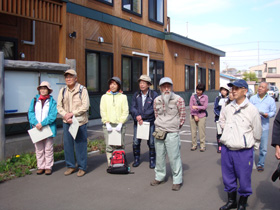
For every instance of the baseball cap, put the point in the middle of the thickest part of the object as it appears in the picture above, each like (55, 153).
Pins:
(239, 83)
(70, 71)
(165, 80)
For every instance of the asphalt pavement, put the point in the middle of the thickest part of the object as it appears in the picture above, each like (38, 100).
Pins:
(202, 187)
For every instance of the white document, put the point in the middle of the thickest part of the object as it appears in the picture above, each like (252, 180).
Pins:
(219, 129)
(39, 135)
(114, 138)
(74, 127)
(143, 131)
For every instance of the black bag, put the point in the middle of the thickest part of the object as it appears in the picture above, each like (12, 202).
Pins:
(118, 163)
(199, 104)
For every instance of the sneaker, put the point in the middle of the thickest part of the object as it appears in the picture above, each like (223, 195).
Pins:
(69, 171)
(176, 187)
(260, 169)
(40, 171)
(48, 172)
(156, 183)
(193, 148)
(81, 173)
(202, 149)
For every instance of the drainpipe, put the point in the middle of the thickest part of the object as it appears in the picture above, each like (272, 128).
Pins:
(148, 59)
(33, 36)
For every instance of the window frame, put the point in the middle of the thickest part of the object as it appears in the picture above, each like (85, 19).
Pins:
(211, 81)
(106, 2)
(149, 10)
(203, 76)
(272, 68)
(13, 40)
(131, 71)
(99, 69)
(131, 11)
(193, 67)
(156, 75)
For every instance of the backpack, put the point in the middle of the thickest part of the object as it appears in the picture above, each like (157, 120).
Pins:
(118, 163)
(80, 94)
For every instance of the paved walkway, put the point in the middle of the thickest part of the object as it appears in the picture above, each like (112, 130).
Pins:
(202, 188)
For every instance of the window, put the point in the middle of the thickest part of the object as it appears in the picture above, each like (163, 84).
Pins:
(110, 2)
(133, 6)
(201, 76)
(156, 11)
(99, 69)
(272, 70)
(258, 73)
(9, 47)
(131, 71)
(211, 79)
(156, 72)
(189, 78)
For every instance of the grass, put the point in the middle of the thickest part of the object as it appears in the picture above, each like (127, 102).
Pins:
(20, 165)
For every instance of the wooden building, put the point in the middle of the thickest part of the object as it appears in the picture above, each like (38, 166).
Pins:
(108, 38)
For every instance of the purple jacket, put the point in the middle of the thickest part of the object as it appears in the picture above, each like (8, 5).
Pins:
(200, 112)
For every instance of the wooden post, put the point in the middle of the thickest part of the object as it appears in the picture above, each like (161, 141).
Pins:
(62, 34)
(2, 119)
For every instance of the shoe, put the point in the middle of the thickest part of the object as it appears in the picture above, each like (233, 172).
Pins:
(48, 172)
(231, 203)
(202, 149)
(69, 171)
(156, 183)
(176, 187)
(193, 148)
(260, 169)
(40, 171)
(136, 161)
(242, 203)
(219, 149)
(81, 173)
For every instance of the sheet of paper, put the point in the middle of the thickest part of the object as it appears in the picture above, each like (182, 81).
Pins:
(219, 129)
(74, 127)
(114, 138)
(39, 135)
(143, 131)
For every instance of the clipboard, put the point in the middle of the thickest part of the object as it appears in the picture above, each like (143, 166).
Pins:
(143, 131)
(39, 135)
(114, 138)
(74, 127)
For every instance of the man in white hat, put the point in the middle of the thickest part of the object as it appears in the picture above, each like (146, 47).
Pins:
(142, 111)
(170, 114)
(73, 100)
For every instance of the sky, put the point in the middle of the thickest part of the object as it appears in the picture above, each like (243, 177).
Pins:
(247, 31)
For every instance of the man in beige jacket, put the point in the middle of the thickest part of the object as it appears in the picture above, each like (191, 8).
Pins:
(73, 100)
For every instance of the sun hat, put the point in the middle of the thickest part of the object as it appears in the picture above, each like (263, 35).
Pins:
(225, 87)
(70, 71)
(145, 78)
(47, 85)
(165, 80)
(239, 83)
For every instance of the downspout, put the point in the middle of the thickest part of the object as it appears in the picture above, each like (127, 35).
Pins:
(195, 76)
(33, 36)
(144, 55)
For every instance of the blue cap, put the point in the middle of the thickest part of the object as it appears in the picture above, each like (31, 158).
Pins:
(239, 83)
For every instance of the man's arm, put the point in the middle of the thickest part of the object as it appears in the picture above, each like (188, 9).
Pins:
(182, 111)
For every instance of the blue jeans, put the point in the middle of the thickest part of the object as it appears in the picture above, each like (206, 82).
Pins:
(150, 142)
(263, 148)
(76, 146)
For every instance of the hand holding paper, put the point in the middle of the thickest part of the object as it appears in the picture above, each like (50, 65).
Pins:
(109, 127)
(119, 127)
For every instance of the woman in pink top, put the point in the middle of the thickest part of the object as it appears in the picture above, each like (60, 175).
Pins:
(198, 105)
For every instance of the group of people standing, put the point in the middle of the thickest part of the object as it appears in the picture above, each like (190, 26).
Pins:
(244, 125)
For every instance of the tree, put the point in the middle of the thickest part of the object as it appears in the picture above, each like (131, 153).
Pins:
(250, 76)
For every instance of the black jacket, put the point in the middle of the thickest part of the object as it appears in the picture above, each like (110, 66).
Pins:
(276, 131)
(146, 112)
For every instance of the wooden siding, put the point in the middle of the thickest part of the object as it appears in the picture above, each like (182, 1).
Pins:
(41, 10)
(117, 11)
(46, 37)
